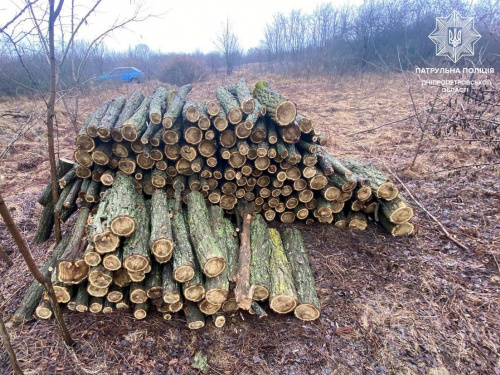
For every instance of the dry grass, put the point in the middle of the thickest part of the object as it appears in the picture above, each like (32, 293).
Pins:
(417, 305)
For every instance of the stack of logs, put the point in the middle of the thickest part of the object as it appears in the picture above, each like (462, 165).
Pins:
(137, 252)
(243, 146)
(140, 162)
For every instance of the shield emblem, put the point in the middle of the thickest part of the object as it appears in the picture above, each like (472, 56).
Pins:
(454, 36)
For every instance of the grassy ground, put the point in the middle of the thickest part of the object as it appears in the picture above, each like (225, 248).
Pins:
(418, 305)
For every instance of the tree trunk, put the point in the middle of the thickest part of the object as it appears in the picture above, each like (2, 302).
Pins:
(208, 252)
(308, 307)
(282, 292)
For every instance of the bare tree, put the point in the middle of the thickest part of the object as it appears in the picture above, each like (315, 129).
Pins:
(227, 43)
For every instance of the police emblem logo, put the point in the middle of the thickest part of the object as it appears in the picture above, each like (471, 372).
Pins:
(455, 36)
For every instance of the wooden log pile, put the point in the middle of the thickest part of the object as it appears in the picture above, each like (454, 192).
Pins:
(244, 146)
(153, 178)
(157, 253)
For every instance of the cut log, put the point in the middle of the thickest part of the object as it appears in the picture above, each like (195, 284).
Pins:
(103, 239)
(171, 290)
(110, 118)
(244, 96)
(259, 268)
(35, 290)
(131, 106)
(194, 289)
(397, 230)
(71, 268)
(308, 307)
(113, 261)
(208, 308)
(161, 240)
(212, 108)
(243, 290)
(158, 105)
(91, 128)
(175, 109)
(136, 255)
(138, 292)
(44, 310)
(290, 133)
(84, 141)
(45, 224)
(397, 211)
(217, 288)
(122, 204)
(194, 317)
(100, 277)
(281, 110)
(209, 254)
(220, 120)
(230, 105)
(153, 281)
(219, 319)
(190, 111)
(282, 293)
(141, 310)
(133, 128)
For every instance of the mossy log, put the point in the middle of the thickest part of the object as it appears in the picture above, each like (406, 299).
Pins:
(207, 250)
(161, 240)
(232, 248)
(259, 268)
(44, 310)
(84, 141)
(308, 307)
(141, 310)
(103, 240)
(153, 281)
(45, 224)
(138, 292)
(282, 293)
(281, 110)
(219, 319)
(397, 230)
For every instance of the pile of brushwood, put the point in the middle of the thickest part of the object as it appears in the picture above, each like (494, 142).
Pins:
(152, 180)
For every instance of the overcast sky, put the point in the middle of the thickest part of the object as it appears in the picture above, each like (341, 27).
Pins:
(183, 25)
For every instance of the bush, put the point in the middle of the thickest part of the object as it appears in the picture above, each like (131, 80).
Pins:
(181, 70)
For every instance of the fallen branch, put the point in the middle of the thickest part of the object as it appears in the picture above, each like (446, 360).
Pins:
(441, 226)
(467, 166)
(381, 126)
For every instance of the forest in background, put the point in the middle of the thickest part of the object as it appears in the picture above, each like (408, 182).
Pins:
(376, 35)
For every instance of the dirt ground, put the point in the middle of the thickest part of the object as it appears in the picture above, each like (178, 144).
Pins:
(418, 305)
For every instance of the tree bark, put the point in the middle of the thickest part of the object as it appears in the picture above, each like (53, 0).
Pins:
(259, 268)
(243, 291)
(171, 290)
(136, 255)
(194, 317)
(175, 109)
(158, 105)
(230, 105)
(109, 120)
(207, 250)
(135, 126)
(279, 109)
(161, 240)
(308, 307)
(282, 293)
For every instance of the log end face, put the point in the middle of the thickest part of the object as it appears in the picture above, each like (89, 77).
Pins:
(216, 296)
(183, 274)
(172, 298)
(214, 266)
(306, 312)
(282, 304)
(136, 264)
(285, 113)
(105, 242)
(401, 215)
(163, 248)
(194, 293)
(260, 293)
(235, 116)
(123, 225)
